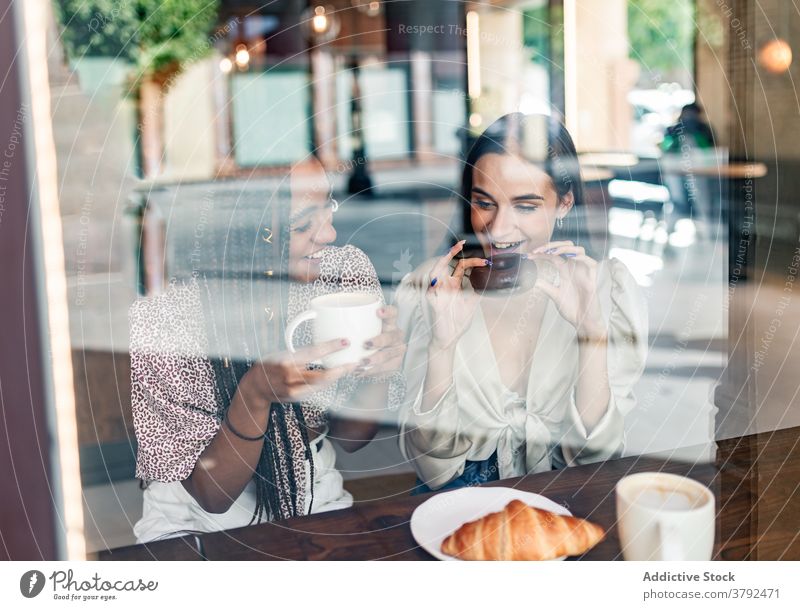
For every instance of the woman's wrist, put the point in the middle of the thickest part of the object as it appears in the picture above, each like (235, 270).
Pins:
(592, 335)
(592, 328)
(254, 437)
(254, 394)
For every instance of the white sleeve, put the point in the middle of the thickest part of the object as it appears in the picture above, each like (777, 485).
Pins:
(627, 354)
(431, 441)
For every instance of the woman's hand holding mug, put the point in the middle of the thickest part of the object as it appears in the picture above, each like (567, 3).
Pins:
(376, 345)
(389, 347)
(291, 376)
(575, 294)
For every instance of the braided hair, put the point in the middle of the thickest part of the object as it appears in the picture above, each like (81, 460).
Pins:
(276, 484)
(231, 250)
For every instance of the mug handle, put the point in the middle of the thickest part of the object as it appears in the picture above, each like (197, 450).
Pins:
(309, 314)
(669, 539)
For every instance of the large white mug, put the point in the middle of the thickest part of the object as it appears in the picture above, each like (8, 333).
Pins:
(665, 517)
(346, 315)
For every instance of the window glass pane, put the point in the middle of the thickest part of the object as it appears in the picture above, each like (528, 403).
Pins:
(575, 218)
(383, 95)
(257, 99)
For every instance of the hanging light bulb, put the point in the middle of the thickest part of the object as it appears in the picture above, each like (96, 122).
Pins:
(775, 56)
(370, 9)
(242, 56)
(319, 22)
(225, 65)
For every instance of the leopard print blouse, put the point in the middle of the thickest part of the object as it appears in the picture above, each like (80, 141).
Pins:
(175, 407)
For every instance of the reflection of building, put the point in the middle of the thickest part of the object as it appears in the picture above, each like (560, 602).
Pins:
(542, 56)
(279, 83)
(294, 94)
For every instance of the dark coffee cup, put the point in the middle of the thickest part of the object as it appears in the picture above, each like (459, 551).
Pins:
(506, 272)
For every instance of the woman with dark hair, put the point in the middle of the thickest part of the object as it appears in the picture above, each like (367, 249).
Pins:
(232, 428)
(522, 356)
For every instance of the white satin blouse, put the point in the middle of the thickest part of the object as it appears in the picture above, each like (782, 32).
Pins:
(478, 415)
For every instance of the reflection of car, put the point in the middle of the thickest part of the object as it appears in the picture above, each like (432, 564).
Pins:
(653, 111)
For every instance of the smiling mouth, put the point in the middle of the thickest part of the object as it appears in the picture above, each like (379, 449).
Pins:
(315, 256)
(506, 246)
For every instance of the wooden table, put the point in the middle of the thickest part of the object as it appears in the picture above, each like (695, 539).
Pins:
(756, 480)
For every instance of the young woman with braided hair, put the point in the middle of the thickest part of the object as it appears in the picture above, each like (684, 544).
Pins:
(231, 428)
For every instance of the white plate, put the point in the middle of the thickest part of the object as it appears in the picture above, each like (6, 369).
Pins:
(437, 518)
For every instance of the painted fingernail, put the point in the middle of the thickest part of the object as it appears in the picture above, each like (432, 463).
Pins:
(367, 344)
(433, 281)
(569, 254)
(487, 262)
(345, 342)
(550, 251)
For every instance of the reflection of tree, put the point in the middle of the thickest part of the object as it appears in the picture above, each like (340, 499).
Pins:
(159, 37)
(662, 35)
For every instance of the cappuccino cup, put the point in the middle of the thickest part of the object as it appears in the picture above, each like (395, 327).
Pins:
(665, 517)
(343, 315)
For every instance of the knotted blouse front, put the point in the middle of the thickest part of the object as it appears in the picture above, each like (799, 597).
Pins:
(478, 415)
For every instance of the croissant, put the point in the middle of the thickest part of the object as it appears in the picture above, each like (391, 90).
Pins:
(522, 533)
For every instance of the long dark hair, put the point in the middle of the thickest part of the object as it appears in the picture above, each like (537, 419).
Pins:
(235, 244)
(541, 140)
(278, 493)
(275, 481)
